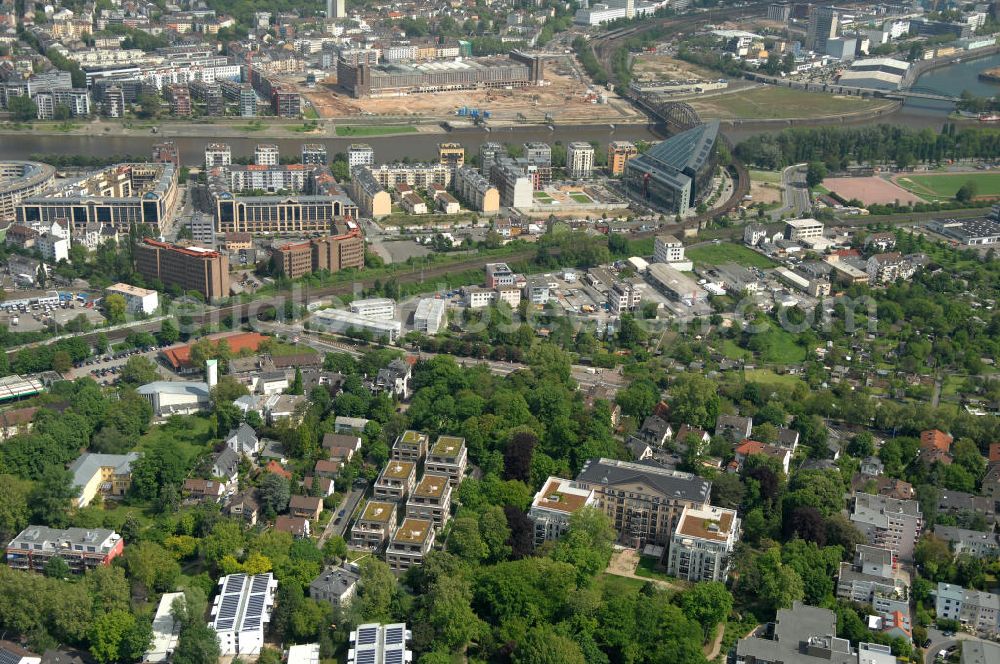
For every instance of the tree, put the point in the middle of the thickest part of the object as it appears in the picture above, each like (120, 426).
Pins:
(22, 108)
(694, 400)
(152, 566)
(465, 541)
(273, 494)
(815, 173)
(966, 192)
(115, 307)
(116, 636)
(861, 445)
(774, 584)
(168, 333)
(542, 645)
(198, 644)
(61, 361)
(377, 591)
(517, 456)
(57, 568)
(14, 510)
(139, 370)
(708, 604)
(50, 499)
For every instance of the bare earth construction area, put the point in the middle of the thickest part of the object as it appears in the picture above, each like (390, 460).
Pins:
(870, 190)
(564, 95)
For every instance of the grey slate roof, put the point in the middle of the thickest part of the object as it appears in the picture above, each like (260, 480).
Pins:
(669, 482)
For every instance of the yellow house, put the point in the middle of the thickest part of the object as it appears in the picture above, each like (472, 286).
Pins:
(104, 474)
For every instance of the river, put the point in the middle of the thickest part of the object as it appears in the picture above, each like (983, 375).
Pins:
(952, 79)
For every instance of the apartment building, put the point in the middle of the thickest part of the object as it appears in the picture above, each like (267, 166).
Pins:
(970, 542)
(644, 500)
(448, 456)
(375, 525)
(702, 544)
(218, 154)
(419, 176)
(80, 548)
(166, 153)
(271, 178)
(379, 308)
(379, 644)
(888, 523)
(410, 446)
(477, 191)
(580, 160)
(189, 268)
(179, 97)
(314, 154)
(101, 474)
(975, 609)
(554, 505)
(396, 480)
(451, 155)
(430, 500)
(619, 152)
(372, 198)
(499, 274)
(360, 155)
(409, 544)
(266, 154)
(241, 611)
(516, 188)
(874, 578)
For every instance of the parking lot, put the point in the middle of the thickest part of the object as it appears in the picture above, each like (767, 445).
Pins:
(38, 317)
(106, 369)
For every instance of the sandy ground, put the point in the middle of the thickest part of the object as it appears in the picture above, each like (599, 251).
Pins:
(870, 190)
(655, 65)
(765, 192)
(624, 562)
(564, 96)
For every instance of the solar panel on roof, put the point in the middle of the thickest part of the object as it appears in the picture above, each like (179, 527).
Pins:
(7, 657)
(393, 657)
(393, 635)
(223, 625)
(259, 583)
(367, 636)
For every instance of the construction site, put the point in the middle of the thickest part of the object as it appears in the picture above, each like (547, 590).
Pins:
(563, 96)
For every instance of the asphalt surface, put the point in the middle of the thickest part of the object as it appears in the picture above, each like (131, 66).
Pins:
(794, 192)
(338, 524)
(941, 642)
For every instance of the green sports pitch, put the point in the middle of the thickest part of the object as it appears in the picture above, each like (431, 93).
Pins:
(946, 185)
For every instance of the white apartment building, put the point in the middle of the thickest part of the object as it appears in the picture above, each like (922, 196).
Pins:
(554, 505)
(667, 249)
(53, 248)
(975, 609)
(580, 160)
(380, 644)
(241, 611)
(803, 229)
(888, 522)
(218, 154)
(409, 544)
(266, 155)
(377, 308)
(137, 300)
(873, 578)
(360, 154)
(499, 274)
(703, 543)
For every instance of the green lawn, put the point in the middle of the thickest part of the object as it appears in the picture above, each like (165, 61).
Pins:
(542, 196)
(945, 185)
(253, 126)
(581, 198)
(281, 349)
(189, 434)
(773, 102)
(727, 252)
(768, 377)
(647, 568)
(613, 584)
(772, 177)
(729, 348)
(379, 130)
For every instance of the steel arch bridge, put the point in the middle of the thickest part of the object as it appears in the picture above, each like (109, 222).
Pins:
(677, 115)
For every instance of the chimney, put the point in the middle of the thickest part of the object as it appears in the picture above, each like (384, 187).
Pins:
(212, 373)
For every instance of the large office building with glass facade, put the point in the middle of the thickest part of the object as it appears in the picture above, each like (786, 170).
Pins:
(676, 174)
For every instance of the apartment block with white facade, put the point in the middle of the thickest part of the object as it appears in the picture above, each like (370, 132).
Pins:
(703, 543)
(554, 505)
(137, 300)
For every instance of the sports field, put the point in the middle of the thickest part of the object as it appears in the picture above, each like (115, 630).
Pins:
(717, 254)
(871, 190)
(945, 185)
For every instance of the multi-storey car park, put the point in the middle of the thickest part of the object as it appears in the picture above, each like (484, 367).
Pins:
(21, 179)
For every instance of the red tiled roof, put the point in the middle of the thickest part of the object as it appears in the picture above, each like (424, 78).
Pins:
(994, 452)
(935, 439)
(277, 469)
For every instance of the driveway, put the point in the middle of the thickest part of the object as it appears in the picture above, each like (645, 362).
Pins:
(794, 192)
(941, 642)
(338, 525)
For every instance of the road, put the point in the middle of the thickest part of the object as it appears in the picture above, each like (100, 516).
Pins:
(941, 642)
(794, 193)
(338, 524)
